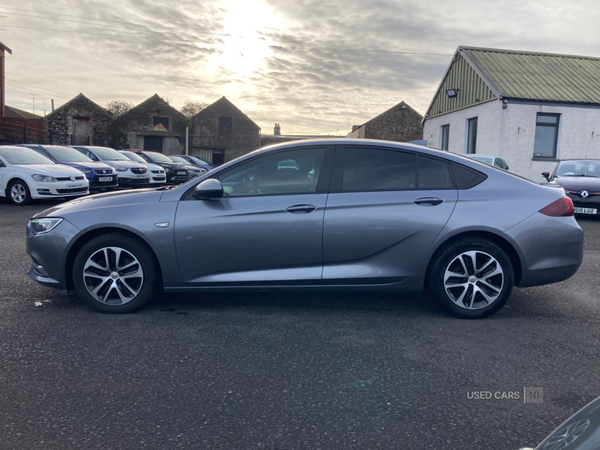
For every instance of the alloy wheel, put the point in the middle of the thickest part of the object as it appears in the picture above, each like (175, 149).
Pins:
(113, 276)
(18, 193)
(474, 280)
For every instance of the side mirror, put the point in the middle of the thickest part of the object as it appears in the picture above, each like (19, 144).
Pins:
(209, 190)
(546, 175)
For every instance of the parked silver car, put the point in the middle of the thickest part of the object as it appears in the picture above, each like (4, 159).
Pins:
(317, 213)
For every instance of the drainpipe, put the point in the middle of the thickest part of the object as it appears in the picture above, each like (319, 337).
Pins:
(187, 139)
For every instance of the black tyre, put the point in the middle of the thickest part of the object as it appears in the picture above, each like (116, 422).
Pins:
(18, 192)
(115, 273)
(472, 278)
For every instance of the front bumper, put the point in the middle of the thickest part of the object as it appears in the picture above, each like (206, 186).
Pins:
(59, 189)
(176, 178)
(48, 252)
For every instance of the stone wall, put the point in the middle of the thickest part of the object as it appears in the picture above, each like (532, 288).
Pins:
(60, 124)
(400, 123)
(206, 132)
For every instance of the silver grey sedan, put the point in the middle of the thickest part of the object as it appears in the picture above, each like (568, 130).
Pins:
(329, 214)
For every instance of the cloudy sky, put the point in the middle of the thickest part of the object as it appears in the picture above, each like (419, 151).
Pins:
(314, 66)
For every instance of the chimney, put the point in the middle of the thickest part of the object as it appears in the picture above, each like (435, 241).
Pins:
(3, 48)
(277, 130)
(354, 127)
(52, 104)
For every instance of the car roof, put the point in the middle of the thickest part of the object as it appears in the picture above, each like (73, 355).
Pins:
(470, 155)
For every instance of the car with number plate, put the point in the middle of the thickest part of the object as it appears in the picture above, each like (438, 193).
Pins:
(193, 170)
(198, 161)
(129, 173)
(580, 178)
(26, 175)
(176, 172)
(101, 176)
(157, 173)
(350, 215)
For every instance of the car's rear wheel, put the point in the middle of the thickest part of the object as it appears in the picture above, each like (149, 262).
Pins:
(472, 277)
(18, 192)
(115, 273)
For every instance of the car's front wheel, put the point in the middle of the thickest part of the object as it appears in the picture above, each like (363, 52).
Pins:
(18, 192)
(472, 277)
(115, 273)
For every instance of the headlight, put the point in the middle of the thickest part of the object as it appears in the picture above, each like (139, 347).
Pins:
(87, 173)
(42, 178)
(121, 168)
(168, 170)
(202, 170)
(41, 226)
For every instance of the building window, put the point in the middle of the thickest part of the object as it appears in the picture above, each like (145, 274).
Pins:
(444, 135)
(225, 123)
(160, 123)
(472, 135)
(546, 135)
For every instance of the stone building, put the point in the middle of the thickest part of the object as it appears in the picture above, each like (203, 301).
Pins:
(221, 132)
(153, 125)
(80, 121)
(400, 123)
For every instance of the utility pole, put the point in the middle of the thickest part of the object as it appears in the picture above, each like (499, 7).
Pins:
(33, 96)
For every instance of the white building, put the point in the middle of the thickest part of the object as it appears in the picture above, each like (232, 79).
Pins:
(532, 109)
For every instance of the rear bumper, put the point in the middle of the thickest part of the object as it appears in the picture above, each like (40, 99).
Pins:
(551, 249)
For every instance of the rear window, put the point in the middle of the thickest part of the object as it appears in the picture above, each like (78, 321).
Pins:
(434, 174)
(369, 169)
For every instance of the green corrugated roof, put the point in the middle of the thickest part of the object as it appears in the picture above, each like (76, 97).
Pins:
(538, 76)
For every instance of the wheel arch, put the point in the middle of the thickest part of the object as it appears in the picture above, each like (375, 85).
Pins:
(16, 178)
(500, 241)
(94, 233)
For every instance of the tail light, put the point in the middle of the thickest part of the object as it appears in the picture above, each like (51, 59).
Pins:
(563, 207)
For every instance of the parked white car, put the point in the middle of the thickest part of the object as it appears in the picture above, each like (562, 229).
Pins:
(27, 175)
(157, 173)
(129, 173)
(490, 160)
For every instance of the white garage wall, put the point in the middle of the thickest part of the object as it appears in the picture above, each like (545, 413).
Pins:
(510, 133)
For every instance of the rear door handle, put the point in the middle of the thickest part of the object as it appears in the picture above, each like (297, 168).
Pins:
(428, 201)
(301, 209)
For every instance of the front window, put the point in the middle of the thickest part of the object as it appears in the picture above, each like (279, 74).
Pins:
(108, 154)
(23, 156)
(134, 157)
(179, 159)
(546, 135)
(581, 168)
(290, 172)
(160, 124)
(157, 157)
(66, 154)
(472, 135)
(225, 123)
(444, 136)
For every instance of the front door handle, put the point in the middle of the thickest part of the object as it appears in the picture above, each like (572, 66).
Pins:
(301, 209)
(428, 201)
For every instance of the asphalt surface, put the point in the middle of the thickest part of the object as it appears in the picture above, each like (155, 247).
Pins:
(273, 370)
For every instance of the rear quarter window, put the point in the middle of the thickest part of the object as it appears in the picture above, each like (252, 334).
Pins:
(465, 177)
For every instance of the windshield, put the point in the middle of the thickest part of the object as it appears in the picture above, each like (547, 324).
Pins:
(198, 160)
(23, 156)
(134, 157)
(581, 168)
(158, 157)
(180, 160)
(109, 154)
(66, 154)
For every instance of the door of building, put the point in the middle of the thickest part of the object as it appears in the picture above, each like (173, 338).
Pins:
(81, 131)
(153, 143)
